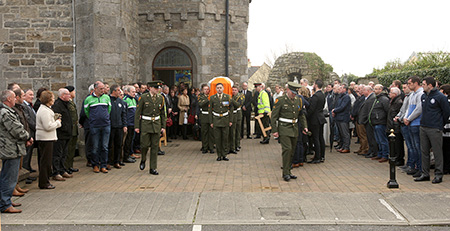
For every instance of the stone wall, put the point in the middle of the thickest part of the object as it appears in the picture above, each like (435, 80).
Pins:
(36, 43)
(197, 27)
(291, 66)
(107, 42)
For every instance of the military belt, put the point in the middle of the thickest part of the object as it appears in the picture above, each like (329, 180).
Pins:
(288, 120)
(220, 115)
(150, 118)
(204, 112)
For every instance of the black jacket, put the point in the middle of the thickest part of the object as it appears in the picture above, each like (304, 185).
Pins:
(65, 131)
(363, 114)
(357, 106)
(394, 108)
(248, 101)
(315, 110)
(118, 113)
(379, 111)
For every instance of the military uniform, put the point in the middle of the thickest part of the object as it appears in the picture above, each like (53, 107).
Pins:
(235, 129)
(285, 116)
(205, 123)
(221, 114)
(150, 118)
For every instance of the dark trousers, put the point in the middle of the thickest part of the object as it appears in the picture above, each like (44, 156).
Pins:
(246, 119)
(344, 135)
(27, 159)
(115, 145)
(127, 148)
(88, 145)
(318, 140)
(45, 163)
(72, 146)
(299, 156)
(373, 146)
(59, 156)
(446, 153)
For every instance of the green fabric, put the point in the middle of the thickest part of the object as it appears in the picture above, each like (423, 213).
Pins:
(263, 102)
(221, 137)
(288, 109)
(288, 145)
(152, 107)
(221, 106)
(150, 141)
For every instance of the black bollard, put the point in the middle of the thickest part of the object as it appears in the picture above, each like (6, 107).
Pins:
(392, 158)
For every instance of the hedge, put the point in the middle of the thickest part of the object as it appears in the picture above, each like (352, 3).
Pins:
(441, 73)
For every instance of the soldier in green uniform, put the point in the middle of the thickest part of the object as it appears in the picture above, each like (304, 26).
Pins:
(235, 131)
(149, 122)
(205, 123)
(285, 116)
(221, 117)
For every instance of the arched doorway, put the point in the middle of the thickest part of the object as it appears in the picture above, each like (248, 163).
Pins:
(173, 66)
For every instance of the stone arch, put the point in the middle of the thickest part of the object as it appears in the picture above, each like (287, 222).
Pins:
(150, 49)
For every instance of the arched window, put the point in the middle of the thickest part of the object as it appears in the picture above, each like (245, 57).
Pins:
(172, 58)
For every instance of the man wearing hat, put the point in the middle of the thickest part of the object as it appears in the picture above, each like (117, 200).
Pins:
(73, 141)
(263, 105)
(285, 116)
(221, 117)
(203, 104)
(149, 122)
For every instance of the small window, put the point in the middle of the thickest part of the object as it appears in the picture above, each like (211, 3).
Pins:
(172, 57)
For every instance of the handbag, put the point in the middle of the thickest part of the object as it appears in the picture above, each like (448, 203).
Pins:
(169, 121)
(191, 119)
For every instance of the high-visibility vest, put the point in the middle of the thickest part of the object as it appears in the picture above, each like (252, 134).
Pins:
(263, 102)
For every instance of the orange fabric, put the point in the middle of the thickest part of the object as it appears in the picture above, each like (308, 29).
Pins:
(227, 88)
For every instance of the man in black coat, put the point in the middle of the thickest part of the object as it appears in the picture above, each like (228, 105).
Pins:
(64, 134)
(246, 110)
(118, 126)
(316, 120)
(363, 118)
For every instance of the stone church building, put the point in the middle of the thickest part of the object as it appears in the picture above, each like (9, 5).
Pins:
(54, 43)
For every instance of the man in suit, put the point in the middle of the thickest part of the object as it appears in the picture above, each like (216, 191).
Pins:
(316, 120)
(246, 110)
(221, 117)
(363, 118)
(31, 119)
(341, 114)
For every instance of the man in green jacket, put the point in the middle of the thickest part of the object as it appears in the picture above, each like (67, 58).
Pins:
(221, 117)
(150, 122)
(235, 130)
(285, 115)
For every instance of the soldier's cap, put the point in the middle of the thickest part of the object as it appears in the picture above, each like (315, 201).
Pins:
(70, 88)
(160, 82)
(257, 84)
(155, 84)
(294, 86)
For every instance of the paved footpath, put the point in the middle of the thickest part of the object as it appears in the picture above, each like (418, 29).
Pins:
(194, 188)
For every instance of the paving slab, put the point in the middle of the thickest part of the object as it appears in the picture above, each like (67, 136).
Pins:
(291, 208)
(422, 208)
(105, 208)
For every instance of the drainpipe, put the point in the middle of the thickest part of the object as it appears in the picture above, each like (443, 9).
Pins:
(227, 6)
(74, 42)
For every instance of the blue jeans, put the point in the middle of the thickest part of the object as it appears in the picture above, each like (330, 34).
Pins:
(409, 144)
(100, 142)
(8, 181)
(417, 155)
(382, 140)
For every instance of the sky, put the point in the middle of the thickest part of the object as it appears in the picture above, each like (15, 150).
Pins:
(353, 36)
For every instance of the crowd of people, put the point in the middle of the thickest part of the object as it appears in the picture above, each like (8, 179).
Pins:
(121, 122)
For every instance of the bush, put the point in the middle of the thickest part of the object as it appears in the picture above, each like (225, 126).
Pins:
(441, 73)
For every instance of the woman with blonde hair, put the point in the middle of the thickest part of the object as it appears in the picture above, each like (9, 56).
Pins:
(183, 105)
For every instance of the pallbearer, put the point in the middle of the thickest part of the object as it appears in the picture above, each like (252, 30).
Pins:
(207, 136)
(235, 130)
(285, 116)
(221, 117)
(150, 122)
